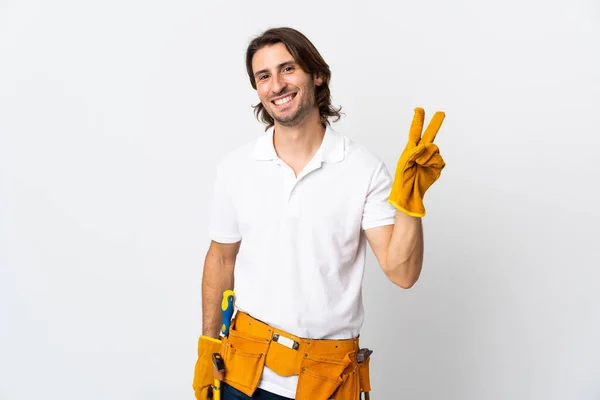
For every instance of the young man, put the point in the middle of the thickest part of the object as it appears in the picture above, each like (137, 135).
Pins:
(293, 211)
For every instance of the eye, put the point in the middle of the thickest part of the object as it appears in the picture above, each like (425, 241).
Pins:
(261, 77)
(288, 69)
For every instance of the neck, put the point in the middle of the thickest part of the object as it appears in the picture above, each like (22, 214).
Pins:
(300, 142)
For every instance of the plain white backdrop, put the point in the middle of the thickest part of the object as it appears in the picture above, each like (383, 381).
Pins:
(114, 114)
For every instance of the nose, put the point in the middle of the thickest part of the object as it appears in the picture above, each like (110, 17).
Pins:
(277, 84)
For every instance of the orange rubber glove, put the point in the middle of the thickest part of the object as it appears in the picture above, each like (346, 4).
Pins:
(419, 165)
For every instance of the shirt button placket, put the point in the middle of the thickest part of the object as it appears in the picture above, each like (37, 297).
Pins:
(293, 202)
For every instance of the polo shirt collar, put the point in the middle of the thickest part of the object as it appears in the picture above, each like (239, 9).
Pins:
(330, 151)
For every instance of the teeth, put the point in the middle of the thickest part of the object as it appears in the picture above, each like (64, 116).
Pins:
(283, 101)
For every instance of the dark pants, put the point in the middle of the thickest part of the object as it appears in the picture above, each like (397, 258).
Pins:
(231, 393)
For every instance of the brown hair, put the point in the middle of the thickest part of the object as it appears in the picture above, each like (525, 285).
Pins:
(307, 57)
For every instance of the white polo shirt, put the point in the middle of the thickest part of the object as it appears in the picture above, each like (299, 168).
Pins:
(302, 258)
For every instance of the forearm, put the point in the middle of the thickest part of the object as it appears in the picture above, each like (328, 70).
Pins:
(404, 256)
(217, 277)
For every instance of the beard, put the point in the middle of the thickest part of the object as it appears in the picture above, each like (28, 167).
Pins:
(296, 117)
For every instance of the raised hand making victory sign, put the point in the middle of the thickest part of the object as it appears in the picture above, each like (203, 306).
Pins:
(420, 165)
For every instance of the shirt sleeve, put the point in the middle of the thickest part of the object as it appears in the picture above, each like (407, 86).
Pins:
(223, 224)
(378, 211)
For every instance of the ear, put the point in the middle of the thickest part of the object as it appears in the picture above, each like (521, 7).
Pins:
(318, 79)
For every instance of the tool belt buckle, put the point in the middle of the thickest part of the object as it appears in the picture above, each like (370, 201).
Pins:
(287, 342)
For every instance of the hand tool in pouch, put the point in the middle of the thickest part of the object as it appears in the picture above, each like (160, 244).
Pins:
(361, 357)
(227, 305)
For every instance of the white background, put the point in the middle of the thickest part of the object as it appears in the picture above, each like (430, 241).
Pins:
(114, 114)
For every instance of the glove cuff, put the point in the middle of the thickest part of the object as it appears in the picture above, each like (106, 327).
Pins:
(404, 210)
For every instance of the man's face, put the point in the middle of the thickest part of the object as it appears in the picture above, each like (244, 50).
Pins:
(284, 89)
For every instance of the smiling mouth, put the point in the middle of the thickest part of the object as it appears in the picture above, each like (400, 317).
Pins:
(284, 100)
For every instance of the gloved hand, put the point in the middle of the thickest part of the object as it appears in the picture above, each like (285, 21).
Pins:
(204, 374)
(420, 165)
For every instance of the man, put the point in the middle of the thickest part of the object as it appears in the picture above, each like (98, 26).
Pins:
(293, 211)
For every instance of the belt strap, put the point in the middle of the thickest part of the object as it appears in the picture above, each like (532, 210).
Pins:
(286, 352)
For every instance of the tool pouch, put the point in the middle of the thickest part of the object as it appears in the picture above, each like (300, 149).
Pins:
(355, 380)
(320, 377)
(244, 357)
(204, 369)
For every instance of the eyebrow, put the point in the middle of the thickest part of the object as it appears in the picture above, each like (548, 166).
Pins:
(283, 64)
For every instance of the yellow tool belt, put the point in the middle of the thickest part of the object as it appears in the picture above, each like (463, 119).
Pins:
(326, 369)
